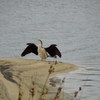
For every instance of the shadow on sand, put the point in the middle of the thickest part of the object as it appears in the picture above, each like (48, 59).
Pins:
(6, 71)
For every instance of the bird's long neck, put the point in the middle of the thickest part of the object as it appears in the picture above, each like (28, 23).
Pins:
(40, 43)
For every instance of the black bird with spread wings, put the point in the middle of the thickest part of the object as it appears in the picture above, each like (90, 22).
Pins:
(52, 50)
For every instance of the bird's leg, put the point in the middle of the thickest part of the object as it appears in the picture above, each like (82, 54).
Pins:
(56, 60)
(43, 59)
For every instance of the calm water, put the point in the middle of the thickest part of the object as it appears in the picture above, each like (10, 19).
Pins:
(74, 25)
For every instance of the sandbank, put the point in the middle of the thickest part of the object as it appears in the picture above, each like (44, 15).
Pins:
(21, 75)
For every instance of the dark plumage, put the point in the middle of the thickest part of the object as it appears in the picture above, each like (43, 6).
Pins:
(52, 50)
(31, 48)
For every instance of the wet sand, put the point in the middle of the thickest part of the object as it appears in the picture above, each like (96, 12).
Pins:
(23, 75)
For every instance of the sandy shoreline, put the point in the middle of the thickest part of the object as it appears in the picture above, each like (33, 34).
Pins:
(25, 74)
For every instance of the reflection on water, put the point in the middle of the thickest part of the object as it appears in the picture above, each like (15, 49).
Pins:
(74, 25)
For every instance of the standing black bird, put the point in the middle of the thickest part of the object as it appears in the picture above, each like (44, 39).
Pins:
(52, 50)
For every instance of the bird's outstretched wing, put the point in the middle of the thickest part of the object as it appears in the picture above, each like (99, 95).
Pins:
(53, 50)
(31, 48)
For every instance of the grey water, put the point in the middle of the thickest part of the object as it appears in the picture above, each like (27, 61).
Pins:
(74, 25)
